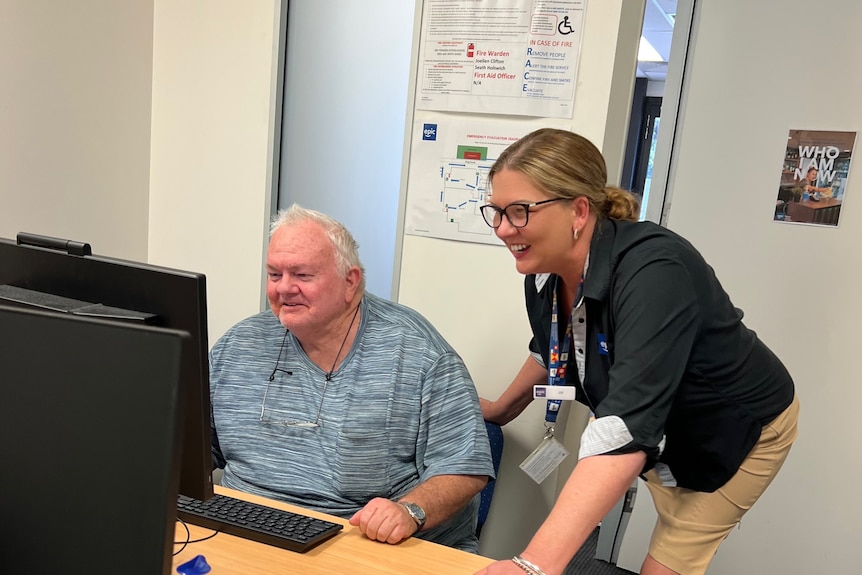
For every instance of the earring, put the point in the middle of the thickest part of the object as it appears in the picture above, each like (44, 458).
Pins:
(575, 235)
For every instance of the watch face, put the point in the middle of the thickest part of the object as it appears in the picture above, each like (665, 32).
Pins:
(416, 512)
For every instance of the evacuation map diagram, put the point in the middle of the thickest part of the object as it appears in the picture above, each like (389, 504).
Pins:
(448, 177)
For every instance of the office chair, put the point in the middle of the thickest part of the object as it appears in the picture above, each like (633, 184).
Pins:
(495, 437)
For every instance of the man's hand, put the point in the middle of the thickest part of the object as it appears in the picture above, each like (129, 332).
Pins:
(384, 520)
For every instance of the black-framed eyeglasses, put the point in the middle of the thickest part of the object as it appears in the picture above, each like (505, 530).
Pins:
(272, 417)
(518, 213)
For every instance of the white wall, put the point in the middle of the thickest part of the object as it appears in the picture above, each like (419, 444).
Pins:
(752, 76)
(474, 296)
(83, 86)
(216, 70)
(75, 83)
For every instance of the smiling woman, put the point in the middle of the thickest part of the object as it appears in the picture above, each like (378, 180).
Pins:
(536, 176)
(630, 315)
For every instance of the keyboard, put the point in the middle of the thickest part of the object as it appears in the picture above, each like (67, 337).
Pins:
(291, 531)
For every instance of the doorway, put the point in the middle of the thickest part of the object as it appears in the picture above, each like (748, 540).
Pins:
(645, 120)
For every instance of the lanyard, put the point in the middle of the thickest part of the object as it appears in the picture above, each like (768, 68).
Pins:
(558, 356)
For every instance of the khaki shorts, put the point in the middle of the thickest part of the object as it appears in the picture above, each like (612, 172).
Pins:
(692, 524)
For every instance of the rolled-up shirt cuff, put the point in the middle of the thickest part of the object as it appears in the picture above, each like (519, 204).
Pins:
(604, 435)
(538, 358)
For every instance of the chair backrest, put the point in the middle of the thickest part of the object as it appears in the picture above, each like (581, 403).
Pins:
(495, 437)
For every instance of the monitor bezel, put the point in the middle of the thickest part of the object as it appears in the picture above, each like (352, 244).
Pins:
(140, 287)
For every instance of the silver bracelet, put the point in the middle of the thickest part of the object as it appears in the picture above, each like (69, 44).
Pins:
(526, 566)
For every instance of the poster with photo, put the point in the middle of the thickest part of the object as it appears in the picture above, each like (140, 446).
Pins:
(813, 180)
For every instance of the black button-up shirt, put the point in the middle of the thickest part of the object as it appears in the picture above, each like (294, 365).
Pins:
(667, 354)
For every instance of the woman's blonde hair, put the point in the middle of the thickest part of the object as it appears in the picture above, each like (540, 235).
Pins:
(566, 165)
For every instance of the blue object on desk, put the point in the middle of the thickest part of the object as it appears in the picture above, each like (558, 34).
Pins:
(197, 566)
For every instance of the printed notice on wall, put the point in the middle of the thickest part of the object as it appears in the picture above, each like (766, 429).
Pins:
(448, 175)
(813, 180)
(500, 56)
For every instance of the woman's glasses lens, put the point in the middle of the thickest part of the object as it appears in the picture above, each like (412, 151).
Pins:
(492, 215)
(517, 215)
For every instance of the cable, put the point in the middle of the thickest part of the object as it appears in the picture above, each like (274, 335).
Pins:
(189, 539)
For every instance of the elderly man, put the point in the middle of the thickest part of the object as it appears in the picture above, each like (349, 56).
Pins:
(344, 402)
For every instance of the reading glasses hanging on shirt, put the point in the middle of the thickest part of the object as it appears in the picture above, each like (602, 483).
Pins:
(327, 379)
(264, 418)
(267, 419)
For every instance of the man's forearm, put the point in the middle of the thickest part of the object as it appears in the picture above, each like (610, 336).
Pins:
(442, 496)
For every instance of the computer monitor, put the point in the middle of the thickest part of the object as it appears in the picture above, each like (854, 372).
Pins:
(89, 415)
(62, 275)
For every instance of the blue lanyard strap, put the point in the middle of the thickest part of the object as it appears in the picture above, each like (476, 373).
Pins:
(558, 359)
(558, 356)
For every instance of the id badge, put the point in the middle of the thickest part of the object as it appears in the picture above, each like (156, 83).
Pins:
(544, 459)
(561, 392)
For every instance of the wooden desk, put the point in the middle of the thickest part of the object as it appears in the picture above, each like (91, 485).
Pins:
(348, 552)
(824, 211)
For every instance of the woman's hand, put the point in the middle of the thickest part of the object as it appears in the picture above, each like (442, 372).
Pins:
(517, 396)
(507, 567)
(487, 409)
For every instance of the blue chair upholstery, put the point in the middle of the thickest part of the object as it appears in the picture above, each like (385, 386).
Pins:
(495, 436)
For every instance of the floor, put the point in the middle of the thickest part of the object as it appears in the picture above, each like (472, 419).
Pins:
(585, 563)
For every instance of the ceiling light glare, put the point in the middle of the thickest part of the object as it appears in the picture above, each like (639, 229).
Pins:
(646, 53)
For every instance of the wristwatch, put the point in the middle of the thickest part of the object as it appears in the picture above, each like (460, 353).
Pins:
(416, 512)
